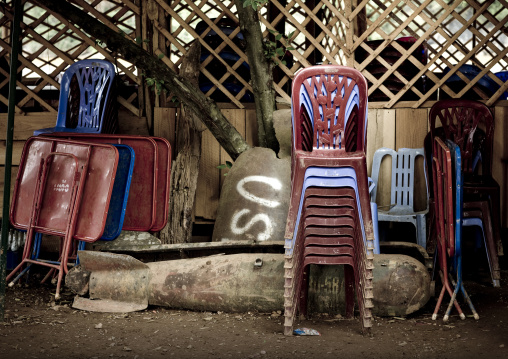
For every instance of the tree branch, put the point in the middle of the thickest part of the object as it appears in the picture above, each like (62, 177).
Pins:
(261, 75)
(206, 109)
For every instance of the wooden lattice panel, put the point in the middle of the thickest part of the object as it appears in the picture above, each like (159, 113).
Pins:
(455, 33)
(49, 44)
(356, 33)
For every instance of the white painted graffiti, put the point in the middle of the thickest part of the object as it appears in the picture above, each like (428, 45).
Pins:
(260, 217)
(263, 236)
(273, 182)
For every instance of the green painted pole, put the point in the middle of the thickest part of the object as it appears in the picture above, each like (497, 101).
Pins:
(18, 10)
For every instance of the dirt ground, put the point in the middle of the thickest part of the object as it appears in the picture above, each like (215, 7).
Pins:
(37, 327)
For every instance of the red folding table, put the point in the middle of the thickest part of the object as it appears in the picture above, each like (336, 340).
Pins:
(63, 188)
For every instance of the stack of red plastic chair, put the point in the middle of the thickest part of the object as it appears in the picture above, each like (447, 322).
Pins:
(329, 219)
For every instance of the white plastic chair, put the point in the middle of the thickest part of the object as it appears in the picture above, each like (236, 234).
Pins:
(402, 189)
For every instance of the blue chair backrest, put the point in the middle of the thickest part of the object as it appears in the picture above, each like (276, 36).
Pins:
(95, 80)
(403, 174)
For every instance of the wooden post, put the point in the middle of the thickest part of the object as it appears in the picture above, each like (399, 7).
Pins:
(185, 169)
(350, 56)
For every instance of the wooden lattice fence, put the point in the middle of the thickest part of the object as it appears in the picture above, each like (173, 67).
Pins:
(441, 37)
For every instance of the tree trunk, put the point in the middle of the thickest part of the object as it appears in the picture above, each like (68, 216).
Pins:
(261, 75)
(206, 109)
(185, 169)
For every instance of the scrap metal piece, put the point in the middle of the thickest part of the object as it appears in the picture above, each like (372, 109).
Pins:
(118, 283)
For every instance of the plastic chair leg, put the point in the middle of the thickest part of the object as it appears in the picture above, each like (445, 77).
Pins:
(375, 226)
(446, 287)
(492, 259)
(421, 231)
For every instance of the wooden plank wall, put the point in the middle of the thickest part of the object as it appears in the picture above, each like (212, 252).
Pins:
(394, 128)
(212, 155)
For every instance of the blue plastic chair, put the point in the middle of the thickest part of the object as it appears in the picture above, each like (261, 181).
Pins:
(471, 71)
(402, 189)
(92, 110)
(503, 76)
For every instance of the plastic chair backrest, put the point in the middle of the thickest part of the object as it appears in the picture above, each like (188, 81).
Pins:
(403, 174)
(329, 109)
(443, 195)
(460, 120)
(95, 79)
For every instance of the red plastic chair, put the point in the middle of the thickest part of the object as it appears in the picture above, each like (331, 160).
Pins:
(333, 239)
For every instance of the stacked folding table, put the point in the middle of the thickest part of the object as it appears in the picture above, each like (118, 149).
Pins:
(329, 220)
(86, 187)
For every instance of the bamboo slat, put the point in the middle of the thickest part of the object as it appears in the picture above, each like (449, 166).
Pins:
(251, 128)
(17, 148)
(411, 127)
(237, 119)
(25, 125)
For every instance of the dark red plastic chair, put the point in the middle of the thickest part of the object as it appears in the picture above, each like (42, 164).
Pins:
(329, 240)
